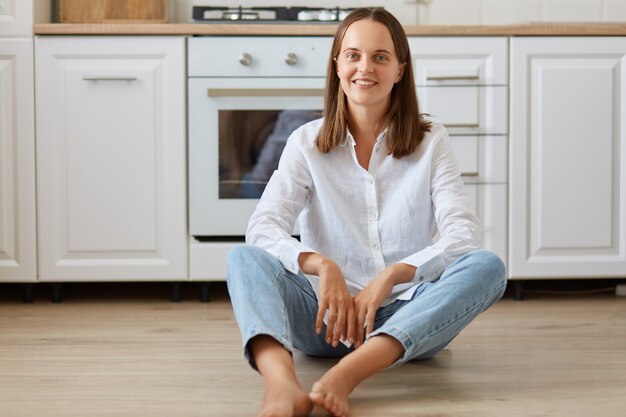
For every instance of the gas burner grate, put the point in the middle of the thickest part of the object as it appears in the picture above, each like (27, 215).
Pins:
(216, 14)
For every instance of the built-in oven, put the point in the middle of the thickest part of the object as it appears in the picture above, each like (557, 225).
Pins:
(246, 95)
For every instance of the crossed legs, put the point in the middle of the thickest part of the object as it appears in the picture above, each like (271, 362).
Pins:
(275, 311)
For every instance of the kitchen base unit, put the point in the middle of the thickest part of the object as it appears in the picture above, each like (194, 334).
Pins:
(111, 158)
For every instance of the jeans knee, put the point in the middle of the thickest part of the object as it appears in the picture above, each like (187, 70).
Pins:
(492, 268)
(239, 257)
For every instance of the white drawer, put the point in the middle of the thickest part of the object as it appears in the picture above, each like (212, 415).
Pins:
(490, 205)
(219, 56)
(468, 109)
(460, 61)
(481, 159)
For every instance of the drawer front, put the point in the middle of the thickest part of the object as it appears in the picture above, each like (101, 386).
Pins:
(258, 57)
(467, 109)
(481, 159)
(460, 61)
(490, 205)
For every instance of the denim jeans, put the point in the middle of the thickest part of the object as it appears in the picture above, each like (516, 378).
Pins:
(269, 300)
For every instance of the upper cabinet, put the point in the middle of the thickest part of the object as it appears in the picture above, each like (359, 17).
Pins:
(111, 165)
(17, 162)
(568, 157)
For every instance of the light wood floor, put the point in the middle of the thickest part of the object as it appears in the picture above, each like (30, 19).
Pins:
(136, 354)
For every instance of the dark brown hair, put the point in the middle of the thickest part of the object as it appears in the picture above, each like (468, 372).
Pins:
(405, 124)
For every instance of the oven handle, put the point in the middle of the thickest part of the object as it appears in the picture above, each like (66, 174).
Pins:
(265, 92)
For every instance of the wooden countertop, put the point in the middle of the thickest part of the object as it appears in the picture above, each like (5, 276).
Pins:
(526, 29)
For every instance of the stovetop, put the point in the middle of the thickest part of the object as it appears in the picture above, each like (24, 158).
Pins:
(239, 14)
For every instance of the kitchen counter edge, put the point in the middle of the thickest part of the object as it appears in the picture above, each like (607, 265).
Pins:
(526, 29)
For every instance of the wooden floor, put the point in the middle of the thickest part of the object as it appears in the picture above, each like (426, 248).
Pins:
(113, 352)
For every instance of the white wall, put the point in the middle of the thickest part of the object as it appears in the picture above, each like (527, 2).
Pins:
(519, 11)
(441, 12)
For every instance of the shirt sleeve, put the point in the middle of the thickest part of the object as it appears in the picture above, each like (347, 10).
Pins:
(285, 196)
(458, 227)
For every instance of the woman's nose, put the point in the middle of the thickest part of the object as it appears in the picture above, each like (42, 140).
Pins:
(365, 66)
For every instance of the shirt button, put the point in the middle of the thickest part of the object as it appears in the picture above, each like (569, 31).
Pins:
(373, 215)
(421, 279)
(370, 181)
(375, 246)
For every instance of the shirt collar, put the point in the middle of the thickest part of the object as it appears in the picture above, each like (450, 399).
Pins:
(349, 139)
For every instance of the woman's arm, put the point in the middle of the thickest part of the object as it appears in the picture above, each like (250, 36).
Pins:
(334, 298)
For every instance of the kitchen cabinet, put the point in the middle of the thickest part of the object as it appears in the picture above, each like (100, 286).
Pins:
(463, 83)
(16, 18)
(111, 163)
(568, 158)
(18, 262)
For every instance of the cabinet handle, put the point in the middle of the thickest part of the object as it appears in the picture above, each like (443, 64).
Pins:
(462, 125)
(265, 92)
(452, 78)
(110, 78)
(470, 174)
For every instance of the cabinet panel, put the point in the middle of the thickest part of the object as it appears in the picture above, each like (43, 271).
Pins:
(17, 162)
(490, 202)
(481, 159)
(445, 61)
(568, 174)
(111, 158)
(463, 109)
(16, 17)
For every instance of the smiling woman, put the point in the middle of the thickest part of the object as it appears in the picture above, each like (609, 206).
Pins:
(366, 281)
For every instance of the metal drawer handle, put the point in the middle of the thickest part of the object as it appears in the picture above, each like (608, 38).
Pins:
(470, 174)
(462, 125)
(265, 92)
(111, 78)
(452, 78)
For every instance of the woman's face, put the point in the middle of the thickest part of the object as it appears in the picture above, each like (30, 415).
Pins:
(367, 65)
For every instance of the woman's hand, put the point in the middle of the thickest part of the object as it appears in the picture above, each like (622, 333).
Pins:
(334, 297)
(368, 301)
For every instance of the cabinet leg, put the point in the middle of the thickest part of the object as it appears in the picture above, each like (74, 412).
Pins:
(56, 292)
(28, 293)
(176, 297)
(205, 292)
(518, 290)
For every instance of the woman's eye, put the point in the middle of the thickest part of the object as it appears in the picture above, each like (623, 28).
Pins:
(351, 56)
(381, 58)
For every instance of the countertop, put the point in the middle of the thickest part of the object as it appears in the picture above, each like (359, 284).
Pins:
(526, 29)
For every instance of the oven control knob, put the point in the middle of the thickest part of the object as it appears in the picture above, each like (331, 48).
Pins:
(245, 59)
(291, 59)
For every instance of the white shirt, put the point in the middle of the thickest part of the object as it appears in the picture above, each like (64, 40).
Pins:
(366, 220)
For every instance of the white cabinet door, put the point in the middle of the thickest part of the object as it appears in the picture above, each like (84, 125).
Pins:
(17, 162)
(16, 17)
(568, 157)
(111, 158)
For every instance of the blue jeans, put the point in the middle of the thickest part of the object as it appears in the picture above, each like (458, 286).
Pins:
(269, 300)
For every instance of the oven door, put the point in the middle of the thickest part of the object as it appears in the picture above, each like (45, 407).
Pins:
(238, 128)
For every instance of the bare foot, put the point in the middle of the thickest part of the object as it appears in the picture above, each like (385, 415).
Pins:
(284, 399)
(331, 392)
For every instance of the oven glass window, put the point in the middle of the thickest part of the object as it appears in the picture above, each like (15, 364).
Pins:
(250, 145)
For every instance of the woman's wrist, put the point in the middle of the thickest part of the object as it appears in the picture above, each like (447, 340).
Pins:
(401, 273)
(314, 263)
